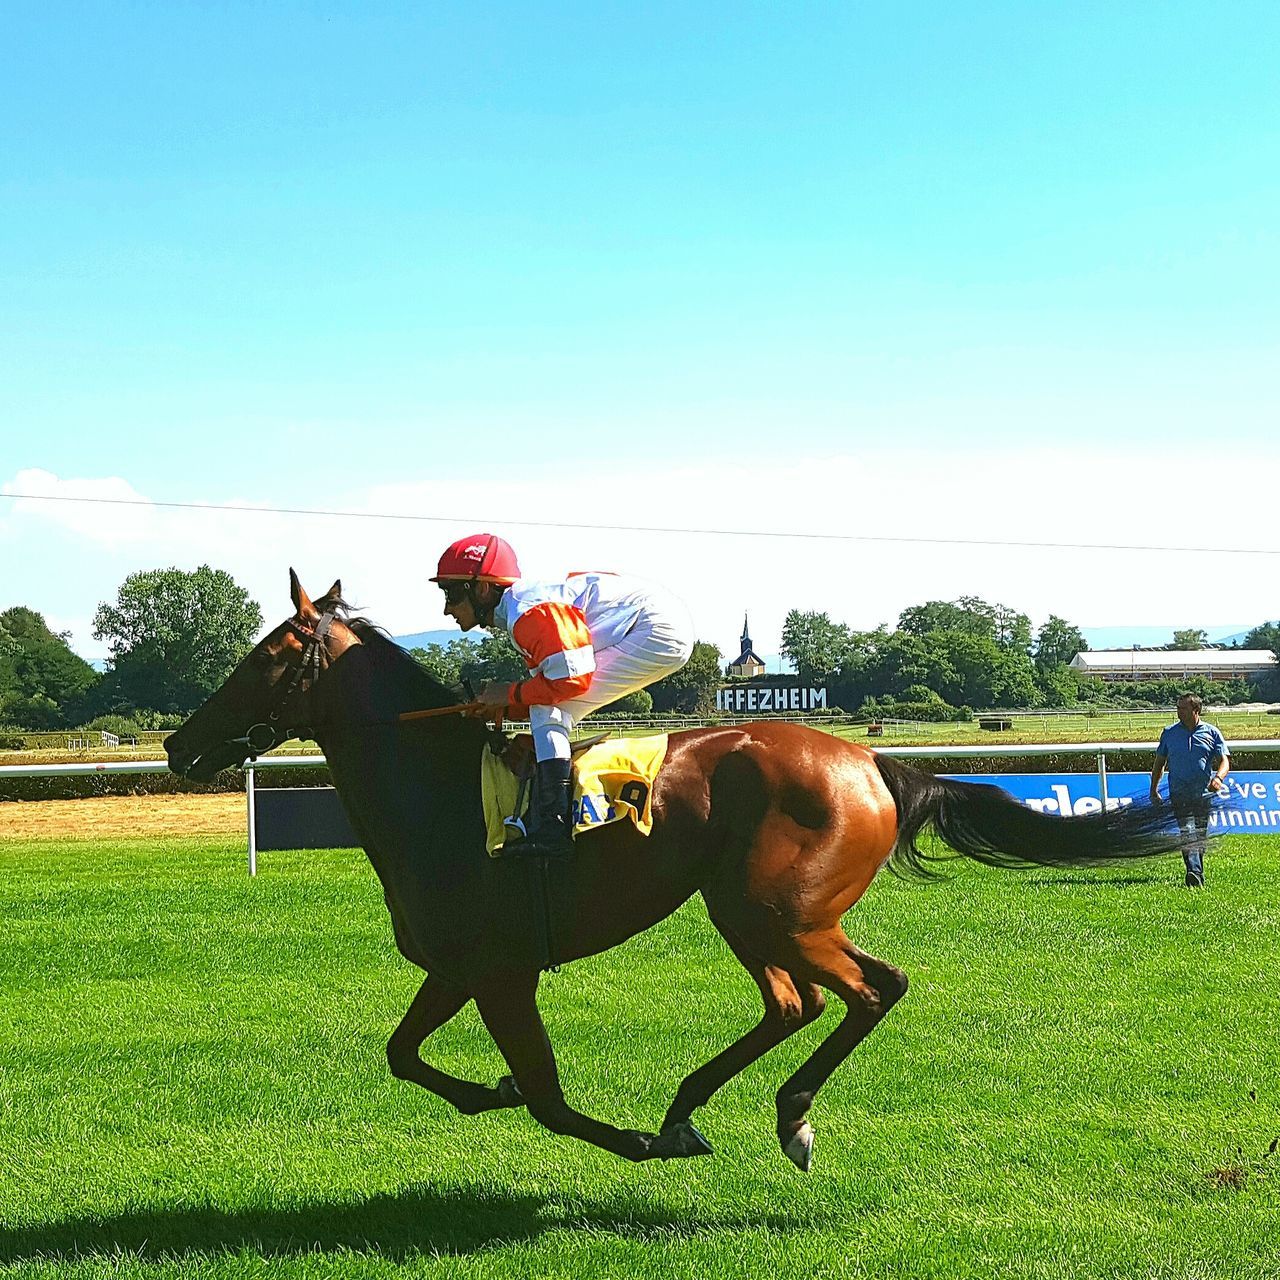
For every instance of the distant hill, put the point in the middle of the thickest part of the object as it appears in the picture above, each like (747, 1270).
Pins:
(421, 639)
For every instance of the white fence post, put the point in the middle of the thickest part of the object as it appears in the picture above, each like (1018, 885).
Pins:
(253, 832)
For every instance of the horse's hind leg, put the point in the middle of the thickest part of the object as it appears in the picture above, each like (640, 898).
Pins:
(436, 1002)
(869, 989)
(788, 1006)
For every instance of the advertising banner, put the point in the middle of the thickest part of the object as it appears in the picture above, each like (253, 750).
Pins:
(1251, 801)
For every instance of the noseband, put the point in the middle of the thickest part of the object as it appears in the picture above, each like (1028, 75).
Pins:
(262, 737)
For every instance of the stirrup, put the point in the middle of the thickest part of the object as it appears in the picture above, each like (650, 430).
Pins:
(555, 840)
(521, 843)
(544, 844)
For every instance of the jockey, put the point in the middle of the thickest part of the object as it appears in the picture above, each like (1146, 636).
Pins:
(587, 640)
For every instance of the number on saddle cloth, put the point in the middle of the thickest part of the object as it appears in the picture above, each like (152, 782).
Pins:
(615, 781)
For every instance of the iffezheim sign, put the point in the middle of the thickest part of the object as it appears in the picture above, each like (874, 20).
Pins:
(757, 698)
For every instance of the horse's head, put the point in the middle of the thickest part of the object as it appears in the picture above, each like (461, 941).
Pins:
(268, 696)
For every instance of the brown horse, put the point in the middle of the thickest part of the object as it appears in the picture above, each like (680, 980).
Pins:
(779, 827)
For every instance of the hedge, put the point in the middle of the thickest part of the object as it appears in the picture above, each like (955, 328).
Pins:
(76, 786)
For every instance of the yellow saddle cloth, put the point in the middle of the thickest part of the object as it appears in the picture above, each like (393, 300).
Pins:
(612, 780)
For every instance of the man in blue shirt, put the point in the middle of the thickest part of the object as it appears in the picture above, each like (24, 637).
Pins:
(1197, 759)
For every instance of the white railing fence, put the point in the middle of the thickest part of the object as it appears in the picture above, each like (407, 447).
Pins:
(1097, 749)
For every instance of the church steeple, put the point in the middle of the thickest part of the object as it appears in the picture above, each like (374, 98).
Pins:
(748, 662)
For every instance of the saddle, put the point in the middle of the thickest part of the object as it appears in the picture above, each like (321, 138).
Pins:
(515, 750)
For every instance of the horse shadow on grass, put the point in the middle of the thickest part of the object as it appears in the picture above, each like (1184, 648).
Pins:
(416, 1220)
(1114, 882)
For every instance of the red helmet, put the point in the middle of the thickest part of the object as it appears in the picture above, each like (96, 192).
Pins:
(483, 557)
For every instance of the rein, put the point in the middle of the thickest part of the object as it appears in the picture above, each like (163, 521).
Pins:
(457, 709)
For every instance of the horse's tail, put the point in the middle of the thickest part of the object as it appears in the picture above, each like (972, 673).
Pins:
(987, 824)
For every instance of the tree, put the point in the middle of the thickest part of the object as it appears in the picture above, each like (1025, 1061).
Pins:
(879, 663)
(639, 702)
(174, 637)
(857, 678)
(1058, 684)
(816, 645)
(1267, 636)
(1011, 629)
(692, 689)
(968, 613)
(494, 658)
(963, 668)
(1011, 681)
(1057, 642)
(9, 649)
(974, 671)
(42, 683)
(1192, 638)
(1007, 627)
(445, 662)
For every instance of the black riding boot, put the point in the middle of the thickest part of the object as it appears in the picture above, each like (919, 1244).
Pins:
(551, 820)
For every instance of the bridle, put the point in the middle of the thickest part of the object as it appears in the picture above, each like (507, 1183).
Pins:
(315, 658)
(268, 734)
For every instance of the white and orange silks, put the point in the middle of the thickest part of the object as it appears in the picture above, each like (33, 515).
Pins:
(588, 641)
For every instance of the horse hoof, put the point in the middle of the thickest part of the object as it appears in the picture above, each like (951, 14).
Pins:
(679, 1140)
(800, 1149)
(509, 1094)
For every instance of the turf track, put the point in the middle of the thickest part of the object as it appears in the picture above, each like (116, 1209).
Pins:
(1083, 1081)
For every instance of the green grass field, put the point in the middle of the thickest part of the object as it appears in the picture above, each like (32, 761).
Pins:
(1083, 1081)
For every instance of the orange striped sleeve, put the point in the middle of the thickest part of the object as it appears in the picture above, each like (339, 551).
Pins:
(556, 642)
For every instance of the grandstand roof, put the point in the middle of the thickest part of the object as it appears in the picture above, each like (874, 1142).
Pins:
(1173, 660)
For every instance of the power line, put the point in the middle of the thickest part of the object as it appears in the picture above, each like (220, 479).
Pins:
(639, 528)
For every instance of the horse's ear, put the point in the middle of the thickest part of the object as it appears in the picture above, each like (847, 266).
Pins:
(301, 601)
(331, 598)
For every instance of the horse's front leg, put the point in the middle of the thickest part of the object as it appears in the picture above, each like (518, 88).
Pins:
(509, 1009)
(436, 1002)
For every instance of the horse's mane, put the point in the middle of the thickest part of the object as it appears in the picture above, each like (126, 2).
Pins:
(412, 794)
(435, 692)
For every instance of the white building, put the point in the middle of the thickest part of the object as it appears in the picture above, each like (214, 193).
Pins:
(1173, 664)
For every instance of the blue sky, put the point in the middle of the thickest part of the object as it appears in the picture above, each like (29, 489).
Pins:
(999, 271)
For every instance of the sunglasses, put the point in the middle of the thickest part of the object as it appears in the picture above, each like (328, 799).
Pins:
(456, 592)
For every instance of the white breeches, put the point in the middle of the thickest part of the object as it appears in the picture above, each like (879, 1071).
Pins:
(653, 648)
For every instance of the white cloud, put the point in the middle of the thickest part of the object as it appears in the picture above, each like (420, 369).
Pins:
(107, 524)
(63, 557)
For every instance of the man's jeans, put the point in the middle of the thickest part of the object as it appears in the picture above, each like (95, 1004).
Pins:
(1192, 813)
